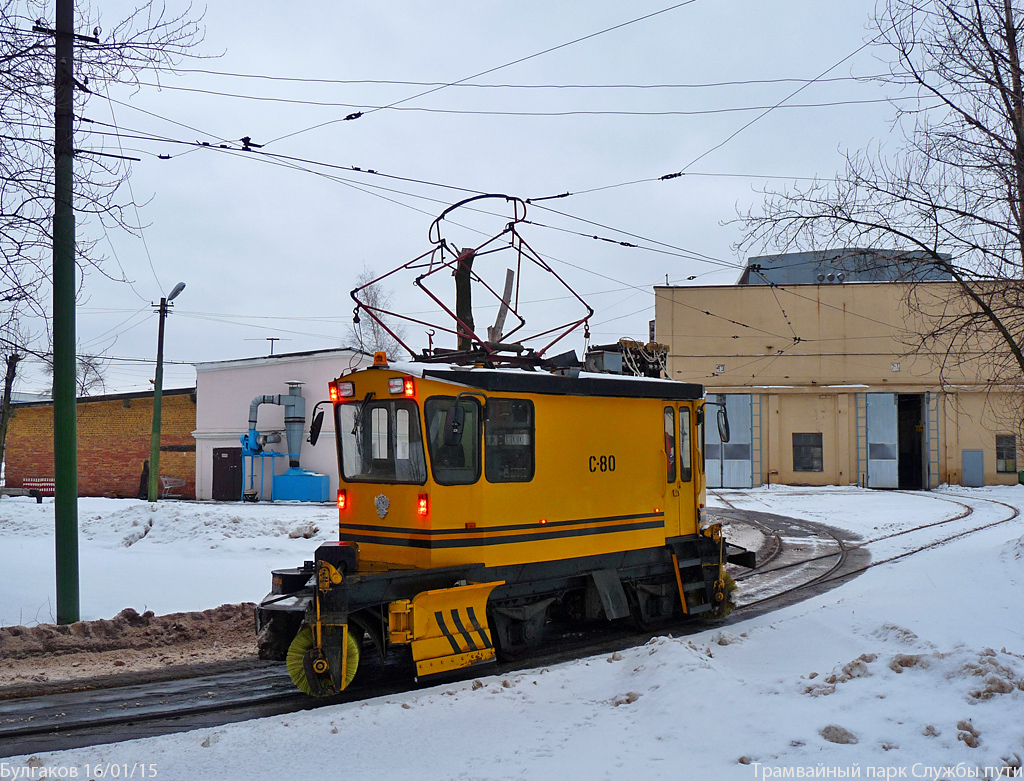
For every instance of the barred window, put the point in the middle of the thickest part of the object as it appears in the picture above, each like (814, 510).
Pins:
(1006, 453)
(808, 453)
(508, 440)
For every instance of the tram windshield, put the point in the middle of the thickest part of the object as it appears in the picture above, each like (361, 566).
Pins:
(381, 442)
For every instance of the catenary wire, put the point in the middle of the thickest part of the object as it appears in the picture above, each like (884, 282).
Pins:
(135, 204)
(501, 67)
(463, 84)
(368, 108)
(726, 264)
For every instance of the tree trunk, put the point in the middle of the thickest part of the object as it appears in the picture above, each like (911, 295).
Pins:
(463, 299)
(5, 405)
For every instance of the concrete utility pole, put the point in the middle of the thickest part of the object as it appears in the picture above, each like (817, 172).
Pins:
(65, 428)
(158, 384)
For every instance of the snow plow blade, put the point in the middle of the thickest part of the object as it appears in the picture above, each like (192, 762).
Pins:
(734, 554)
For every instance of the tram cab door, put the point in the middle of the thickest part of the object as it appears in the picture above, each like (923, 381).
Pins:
(680, 474)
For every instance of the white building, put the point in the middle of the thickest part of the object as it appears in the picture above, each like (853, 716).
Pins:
(224, 392)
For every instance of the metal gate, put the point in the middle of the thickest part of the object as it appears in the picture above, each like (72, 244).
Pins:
(731, 465)
(883, 443)
(878, 440)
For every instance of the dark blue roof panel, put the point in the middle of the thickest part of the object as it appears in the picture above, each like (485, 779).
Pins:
(823, 267)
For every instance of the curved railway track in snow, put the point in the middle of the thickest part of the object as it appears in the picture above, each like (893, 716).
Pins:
(850, 558)
(800, 559)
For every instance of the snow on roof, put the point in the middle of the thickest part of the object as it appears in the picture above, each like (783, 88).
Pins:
(279, 358)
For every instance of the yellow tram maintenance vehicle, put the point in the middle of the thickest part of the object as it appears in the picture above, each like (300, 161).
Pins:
(481, 505)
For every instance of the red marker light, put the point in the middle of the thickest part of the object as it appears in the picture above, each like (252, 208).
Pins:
(410, 387)
(423, 505)
(334, 392)
(543, 521)
(342, 499)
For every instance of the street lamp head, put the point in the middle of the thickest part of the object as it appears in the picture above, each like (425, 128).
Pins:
(177, 289)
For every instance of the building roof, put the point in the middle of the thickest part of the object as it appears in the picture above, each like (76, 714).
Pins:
(111, 397)
(823, 267)
(278, 358)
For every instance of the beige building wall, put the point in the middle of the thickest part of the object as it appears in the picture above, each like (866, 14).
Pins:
(809, 352)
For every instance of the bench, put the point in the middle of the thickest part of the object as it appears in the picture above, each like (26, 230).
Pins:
(35, 492)
(45, 485)
(169, 487)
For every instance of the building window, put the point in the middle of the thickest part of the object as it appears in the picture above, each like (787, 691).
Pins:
(808, 453)
(1006, 453)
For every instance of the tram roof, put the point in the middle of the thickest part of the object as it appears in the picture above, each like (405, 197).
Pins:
(539, 381)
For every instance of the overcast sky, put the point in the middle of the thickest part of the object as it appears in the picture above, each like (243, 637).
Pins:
(271, 250)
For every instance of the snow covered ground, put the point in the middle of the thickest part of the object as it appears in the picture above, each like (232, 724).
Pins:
(914, 668)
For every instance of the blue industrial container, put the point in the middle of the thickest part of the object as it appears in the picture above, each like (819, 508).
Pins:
(301, 485)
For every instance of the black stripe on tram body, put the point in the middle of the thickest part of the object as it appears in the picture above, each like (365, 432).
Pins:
(462, 630)
(476, 625)
(365, 527)
(411, 542)
(439, 617)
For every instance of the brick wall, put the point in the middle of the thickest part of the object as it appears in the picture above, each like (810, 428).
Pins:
(113, 442)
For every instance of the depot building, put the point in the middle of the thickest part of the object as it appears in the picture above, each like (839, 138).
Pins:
(817, 358)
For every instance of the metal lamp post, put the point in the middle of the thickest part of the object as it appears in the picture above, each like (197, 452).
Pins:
(154, 446)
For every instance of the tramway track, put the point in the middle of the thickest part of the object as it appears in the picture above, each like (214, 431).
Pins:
(809, 570)
(73, 720)
(62, 721)
(842, 554)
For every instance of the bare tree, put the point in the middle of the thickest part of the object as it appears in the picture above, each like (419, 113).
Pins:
(89, 374)
(151, 39)
(11, 336)
(368, 335)
(951, 197)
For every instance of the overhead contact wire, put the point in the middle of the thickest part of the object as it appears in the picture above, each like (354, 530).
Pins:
(495, 69)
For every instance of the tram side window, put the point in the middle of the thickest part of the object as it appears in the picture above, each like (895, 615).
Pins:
(685, 472)
(508, 441)
(381, 442)
(670, 442)
(453, 464)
